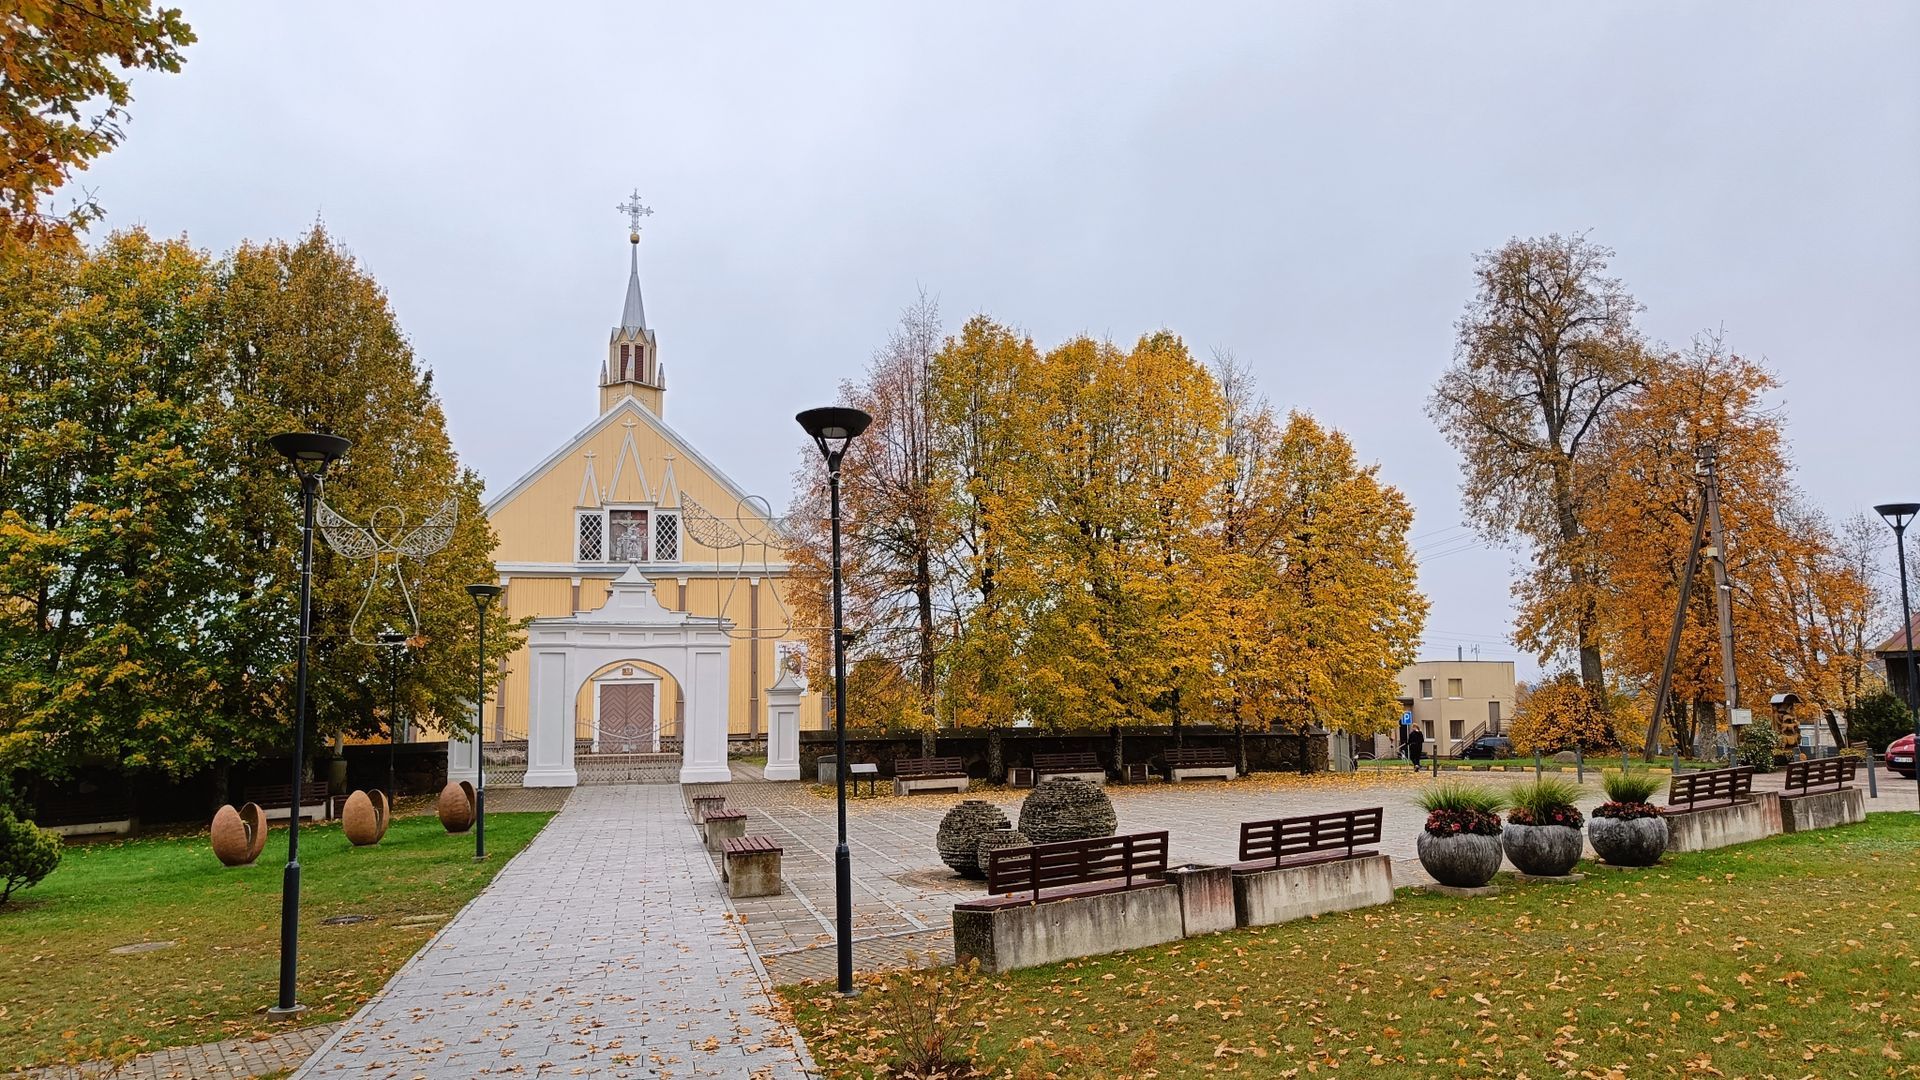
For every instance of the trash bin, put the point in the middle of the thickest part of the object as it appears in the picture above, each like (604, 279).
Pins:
(829, 768)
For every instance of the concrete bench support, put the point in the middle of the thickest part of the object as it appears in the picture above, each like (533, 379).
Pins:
(1096, 777)
(1754, 818)
(722, 826)
(1206, 898)
(1218, 772)
(930, 783)
(1265, 897)
(705, 804)
(1011, 936)
(1822, 809)
(751, 867)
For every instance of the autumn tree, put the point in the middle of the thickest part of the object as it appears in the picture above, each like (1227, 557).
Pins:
(1546, 351)
(1561, 714)
(64, 96)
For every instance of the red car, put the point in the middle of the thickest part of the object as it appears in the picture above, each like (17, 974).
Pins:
(1900, 756)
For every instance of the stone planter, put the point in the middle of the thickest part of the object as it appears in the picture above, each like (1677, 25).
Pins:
(1628, 842)
(1464, 861)
(958, 840)
(1541, 850)
(1067, 809)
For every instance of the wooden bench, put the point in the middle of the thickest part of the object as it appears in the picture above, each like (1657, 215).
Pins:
(750, 865)
(1080, 766)
(706, 804)
(1804, 776)
(929, 774)
(100, 813)
(275, 799)
(722, 826)
(1308, 839)
(1040, 873)
(1200, 763)
(1709, 787)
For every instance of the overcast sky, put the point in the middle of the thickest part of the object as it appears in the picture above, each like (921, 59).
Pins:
(1303, 185)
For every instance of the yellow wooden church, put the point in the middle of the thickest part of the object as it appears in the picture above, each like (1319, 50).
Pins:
(656, 585)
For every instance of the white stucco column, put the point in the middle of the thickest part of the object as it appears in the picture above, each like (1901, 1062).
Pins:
(463, 758)
(783, 728)
(703, 744)
(553, 686)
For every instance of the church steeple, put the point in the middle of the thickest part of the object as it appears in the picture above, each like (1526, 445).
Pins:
(633, 367)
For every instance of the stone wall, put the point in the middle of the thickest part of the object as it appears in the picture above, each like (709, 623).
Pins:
(1266, 751)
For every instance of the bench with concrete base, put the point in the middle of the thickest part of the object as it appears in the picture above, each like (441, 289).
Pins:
(1200, 763)
(1715, 808)
(750, 865)
(722, 826)
(100, 814)
(1050, 902)
(1294, 867)
(1080, 766)
(706, 804)
(1820, 794)
(275, 799)
(929, 774)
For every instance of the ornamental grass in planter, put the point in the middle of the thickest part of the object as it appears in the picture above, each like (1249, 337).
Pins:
(1627, 830)
(1460, 845)
(1542, 834)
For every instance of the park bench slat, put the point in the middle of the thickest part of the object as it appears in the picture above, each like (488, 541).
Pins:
(748, 845)
(1075, 762)
(1709, 786)
(1118, 861)
(929, 768)
(1806, 775)
(1292, 840)
(1199, 757)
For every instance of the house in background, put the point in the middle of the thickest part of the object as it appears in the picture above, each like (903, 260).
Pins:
(1456, 701)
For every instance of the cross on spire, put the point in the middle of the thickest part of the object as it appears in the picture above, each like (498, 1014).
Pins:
(635, 210)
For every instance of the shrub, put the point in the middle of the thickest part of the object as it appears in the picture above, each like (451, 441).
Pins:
(1454, 808)
(1546, 801)
(1627, 795)
(1879, 719)
(926, 1013)
(27, 854)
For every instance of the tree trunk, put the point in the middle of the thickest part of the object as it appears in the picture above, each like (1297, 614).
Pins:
(1119, 752)
(1240, 744)
(996, 757)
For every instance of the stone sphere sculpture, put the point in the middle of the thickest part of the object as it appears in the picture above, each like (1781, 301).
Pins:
(239, 835)
(456, 807)
(1064, 808)
(365, 818)
(959, 837)
(994, 841)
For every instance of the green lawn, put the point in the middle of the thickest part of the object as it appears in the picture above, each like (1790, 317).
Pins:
(65, 997)
(1792, 957)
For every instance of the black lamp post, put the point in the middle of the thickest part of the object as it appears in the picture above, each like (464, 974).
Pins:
(393, 645)
(832, 429)
(310, 452)
(1900, 515)
(483, 595)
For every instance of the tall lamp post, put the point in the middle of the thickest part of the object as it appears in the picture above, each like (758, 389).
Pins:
(1900, 515)
(832, 430)
(310, 452)
(483, 595)
(393, 644)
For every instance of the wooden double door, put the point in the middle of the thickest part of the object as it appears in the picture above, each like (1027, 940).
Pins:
(629, 718)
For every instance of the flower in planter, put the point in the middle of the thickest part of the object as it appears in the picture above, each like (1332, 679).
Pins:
(1461, 843)
(1542, 837)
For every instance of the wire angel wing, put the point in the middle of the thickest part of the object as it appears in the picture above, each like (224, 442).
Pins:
(707, 530)
(432, 534)
(348, 538)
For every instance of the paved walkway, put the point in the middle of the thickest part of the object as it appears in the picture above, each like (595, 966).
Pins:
(235, 1059)
(606, 949)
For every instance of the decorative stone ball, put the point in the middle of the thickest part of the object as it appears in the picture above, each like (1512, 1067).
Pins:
(456, 807)
(364, 819)
(1065, 808)
(239, 835)
(994, 841)
(960, 832)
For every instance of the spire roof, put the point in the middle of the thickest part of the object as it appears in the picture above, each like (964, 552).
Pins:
(634, 315)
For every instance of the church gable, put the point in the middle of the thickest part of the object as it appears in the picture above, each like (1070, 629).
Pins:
(629, 489)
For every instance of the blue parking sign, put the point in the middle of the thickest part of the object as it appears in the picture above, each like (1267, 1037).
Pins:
(1406, 718)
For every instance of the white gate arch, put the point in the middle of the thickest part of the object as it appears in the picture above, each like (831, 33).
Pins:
(564, 653)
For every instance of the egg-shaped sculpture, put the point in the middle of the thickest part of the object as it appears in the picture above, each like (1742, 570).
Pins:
(456, 807)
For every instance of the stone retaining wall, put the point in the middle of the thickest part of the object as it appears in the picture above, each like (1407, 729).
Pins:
(1265, 897)
(1822, 809)
(1722, 826)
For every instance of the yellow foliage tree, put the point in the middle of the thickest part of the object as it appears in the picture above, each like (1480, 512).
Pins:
(1560, 714)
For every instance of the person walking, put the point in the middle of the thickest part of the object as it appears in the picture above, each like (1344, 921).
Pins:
(1416, 739)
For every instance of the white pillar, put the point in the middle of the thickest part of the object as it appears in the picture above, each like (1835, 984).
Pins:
(783, 728)
(463, 758)
(550, 720)
(703, 743)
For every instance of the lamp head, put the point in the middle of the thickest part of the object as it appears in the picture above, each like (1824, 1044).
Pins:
(483, 593)
(391, 638)
(833, 427)
(310, 448)
(1897, 514)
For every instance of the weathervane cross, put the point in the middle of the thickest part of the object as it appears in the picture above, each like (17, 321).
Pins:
(635, 210)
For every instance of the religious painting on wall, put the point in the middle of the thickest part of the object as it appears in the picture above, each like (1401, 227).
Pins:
(629, 535)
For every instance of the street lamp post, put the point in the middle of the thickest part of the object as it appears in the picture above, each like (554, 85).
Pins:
(1900, 515)
(393, 643)
(310, 452)
(832, 430)
(482, 594)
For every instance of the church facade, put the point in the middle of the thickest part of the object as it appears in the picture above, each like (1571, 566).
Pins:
(656, 586)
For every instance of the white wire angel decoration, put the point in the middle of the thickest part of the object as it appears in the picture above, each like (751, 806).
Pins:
(385, 538)
(753, 524)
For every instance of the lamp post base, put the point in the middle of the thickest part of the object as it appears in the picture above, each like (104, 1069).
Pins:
(286, 1013)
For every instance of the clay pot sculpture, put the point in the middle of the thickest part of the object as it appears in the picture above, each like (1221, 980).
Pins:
(239, 835)
(456, 807)
(365, 818)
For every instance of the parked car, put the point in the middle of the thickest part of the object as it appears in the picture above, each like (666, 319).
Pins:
(1900, 756)
(1489, 747)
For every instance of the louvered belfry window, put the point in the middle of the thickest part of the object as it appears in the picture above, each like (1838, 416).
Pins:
(587, 536)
